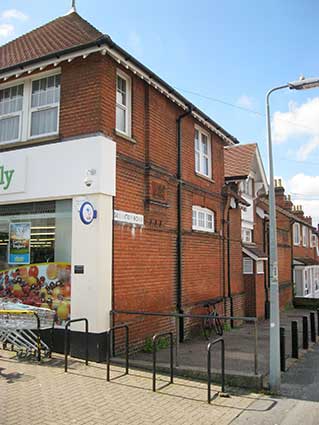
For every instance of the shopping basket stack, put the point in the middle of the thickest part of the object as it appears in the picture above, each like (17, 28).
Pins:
(20, 327)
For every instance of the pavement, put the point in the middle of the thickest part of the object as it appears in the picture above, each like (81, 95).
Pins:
(299, 401)
(45, 395)
(239, 347)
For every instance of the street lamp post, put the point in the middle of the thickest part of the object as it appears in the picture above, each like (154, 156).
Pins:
(274, 338)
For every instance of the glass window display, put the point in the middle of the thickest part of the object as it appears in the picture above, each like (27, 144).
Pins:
(35, 255)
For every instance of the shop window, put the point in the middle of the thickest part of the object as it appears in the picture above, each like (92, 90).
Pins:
(203, 153)
(260, 267)
(35, 255)
(248, 265)
(123, 103)
(296, 231)
(203, 219)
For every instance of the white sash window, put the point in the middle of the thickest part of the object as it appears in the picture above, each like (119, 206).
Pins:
(203, 156)
(11, 105)
(45, 101)
(30, 109)
(123, 103)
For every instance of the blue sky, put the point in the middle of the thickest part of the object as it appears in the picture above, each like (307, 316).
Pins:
(233, 51)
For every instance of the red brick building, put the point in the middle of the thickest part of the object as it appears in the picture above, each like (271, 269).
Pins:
(297, 239)
(136, 193)
(244, 168)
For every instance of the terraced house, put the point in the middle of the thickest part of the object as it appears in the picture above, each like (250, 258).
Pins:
(112, 193)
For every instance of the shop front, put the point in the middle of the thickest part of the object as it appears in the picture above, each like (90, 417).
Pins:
(56, 233)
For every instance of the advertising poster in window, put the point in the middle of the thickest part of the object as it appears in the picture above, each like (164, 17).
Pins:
(46, 285)
(19, 243)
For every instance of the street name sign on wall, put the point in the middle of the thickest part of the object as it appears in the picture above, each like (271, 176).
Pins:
(128, 218)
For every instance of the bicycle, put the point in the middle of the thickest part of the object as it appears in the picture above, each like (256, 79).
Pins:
(212, 324)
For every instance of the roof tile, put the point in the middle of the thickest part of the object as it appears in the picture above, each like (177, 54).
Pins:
(65, 32)
(238, 160)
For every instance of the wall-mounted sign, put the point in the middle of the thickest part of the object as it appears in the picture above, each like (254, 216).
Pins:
(129, 218)
(87, 213)
(78, 269)
(19, 243)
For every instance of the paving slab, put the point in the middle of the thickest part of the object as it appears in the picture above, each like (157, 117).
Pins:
(43, 394)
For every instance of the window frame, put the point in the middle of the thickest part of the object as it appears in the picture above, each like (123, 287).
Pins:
(42, 108)
(25, 119)
(14, 114)
(258, 270)
(251, 262)
(199, 171)
(128, 106)
(243, 234)
(305, 236)
(207, 212)
(296, 225)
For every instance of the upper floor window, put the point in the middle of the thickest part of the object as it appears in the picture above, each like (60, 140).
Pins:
(314, 240)
(248, 265)
(203, 219)
(305, 235)
(246, 235)
(123, 103)
(203, 156)
(30, 109)
(247, 186)
(11, 103)
(260, 267)
(296, 232)
(45, 101)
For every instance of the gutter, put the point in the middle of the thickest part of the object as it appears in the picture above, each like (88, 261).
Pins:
(179, 239)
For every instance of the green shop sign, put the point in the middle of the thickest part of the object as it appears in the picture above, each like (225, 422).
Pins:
(5, 177)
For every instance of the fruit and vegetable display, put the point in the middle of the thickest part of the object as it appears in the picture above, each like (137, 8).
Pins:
(45, 285)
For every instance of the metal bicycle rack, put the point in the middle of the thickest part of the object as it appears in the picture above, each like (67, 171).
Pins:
(154, 340)
(108, 348)
(209, 373)
(67, 340)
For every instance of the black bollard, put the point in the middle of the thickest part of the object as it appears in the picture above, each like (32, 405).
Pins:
(318, 321)
(305, 343)
(282, 350)
(312, 327)
(294, 339)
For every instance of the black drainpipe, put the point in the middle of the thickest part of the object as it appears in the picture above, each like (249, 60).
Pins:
(179, 243)
(228, 268)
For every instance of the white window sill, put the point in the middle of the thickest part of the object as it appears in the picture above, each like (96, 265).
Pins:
(28, 142)
(205, 177)
(124, 136)
(206, 231)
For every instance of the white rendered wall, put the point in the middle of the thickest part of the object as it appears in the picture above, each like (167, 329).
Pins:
(91, 294)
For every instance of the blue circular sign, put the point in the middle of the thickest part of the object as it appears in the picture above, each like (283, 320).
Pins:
(87, 213)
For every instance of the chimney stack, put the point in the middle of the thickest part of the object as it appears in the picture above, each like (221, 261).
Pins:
(280, 194)
(298, 211)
